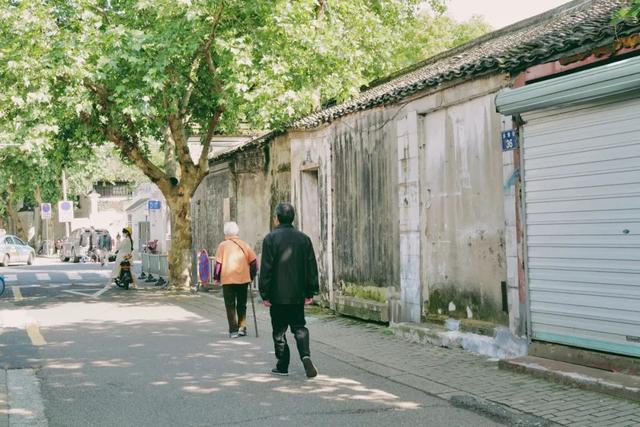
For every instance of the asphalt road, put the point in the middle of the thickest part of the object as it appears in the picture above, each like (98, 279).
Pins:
(78, 354)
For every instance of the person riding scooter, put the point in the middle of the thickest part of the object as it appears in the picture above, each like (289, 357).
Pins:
(124, 254)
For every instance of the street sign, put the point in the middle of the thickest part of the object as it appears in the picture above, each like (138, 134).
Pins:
(154, 204)
(45, 211)
(203, 266)
(509, 140)
(65, 211)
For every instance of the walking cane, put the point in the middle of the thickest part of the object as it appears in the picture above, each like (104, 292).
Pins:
(253, 307)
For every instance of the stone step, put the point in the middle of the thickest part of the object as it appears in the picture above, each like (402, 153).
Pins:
(612, 383)
(579, 356)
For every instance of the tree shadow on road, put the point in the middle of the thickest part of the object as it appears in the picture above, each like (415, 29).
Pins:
(161, 362)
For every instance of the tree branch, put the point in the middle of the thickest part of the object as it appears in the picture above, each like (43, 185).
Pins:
(180, 140)
(212, 37)
(205, 50)
(205, 141)
(129, 147)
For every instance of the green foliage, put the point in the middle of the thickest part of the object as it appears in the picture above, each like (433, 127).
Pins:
(431, 34)
(631, 11)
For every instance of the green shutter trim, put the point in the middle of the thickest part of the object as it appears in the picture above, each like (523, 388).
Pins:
(617, 78)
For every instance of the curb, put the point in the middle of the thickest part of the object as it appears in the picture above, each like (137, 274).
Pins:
(611, 383)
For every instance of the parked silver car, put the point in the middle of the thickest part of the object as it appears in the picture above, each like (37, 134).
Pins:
(13, 251)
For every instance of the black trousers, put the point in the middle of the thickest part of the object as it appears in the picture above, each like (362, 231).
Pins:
(292, 316)
(235, 301)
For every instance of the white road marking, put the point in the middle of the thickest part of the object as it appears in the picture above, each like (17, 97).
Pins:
(88, 293)
(74, 276)
(34, 334)
(25, 398)
(10, 278)
(43, 276)
(102, 291)
(17, 295)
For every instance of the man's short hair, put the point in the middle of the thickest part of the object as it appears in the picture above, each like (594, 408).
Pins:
(285, 213)
(231, 229)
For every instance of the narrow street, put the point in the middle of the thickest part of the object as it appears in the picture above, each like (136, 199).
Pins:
(74, 354)
(73, 357)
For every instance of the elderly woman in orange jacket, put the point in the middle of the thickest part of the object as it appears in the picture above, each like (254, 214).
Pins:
(236, 266)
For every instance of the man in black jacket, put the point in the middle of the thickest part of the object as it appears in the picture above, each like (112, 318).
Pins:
(288, 281)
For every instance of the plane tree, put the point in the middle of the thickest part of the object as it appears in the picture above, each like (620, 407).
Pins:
(134, 73)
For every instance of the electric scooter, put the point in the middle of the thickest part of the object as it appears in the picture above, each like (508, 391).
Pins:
(124, 279)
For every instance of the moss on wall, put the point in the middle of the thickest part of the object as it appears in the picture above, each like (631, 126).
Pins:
(368, 291)
(482, 308)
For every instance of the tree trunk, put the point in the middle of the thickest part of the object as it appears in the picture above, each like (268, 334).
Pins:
(37, 221)
(13, 215)
(181, 252)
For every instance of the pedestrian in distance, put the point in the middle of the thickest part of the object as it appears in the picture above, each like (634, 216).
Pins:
(124, 252)
(236, 266)
(288, 282)
(104, 247)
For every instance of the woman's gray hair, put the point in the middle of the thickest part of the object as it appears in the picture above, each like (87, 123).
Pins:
(231, 229)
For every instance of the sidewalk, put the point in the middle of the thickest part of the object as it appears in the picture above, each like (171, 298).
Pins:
(455, 375)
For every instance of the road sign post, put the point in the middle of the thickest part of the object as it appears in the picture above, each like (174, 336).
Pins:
(203, 268)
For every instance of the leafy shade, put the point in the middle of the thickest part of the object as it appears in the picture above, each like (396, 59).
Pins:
(632, 11)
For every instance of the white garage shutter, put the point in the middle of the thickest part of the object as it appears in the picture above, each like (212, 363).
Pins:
(582, 206)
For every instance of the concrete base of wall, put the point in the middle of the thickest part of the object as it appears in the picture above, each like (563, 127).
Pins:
(503, 344)
(615, 384)
(363, 309)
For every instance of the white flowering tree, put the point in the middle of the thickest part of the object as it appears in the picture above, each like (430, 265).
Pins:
(133, 72)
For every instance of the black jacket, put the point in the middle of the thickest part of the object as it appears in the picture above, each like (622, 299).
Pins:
(288, 270)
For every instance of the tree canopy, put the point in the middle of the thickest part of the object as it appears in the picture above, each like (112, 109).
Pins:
(141, 72)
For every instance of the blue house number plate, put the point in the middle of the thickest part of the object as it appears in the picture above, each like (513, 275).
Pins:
(509, 140)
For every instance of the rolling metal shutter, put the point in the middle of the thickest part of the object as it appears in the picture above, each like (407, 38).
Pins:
(582, 215)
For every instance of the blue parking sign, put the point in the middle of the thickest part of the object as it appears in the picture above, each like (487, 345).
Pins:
(154, 204)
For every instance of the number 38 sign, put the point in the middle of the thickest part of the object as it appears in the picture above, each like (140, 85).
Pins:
(509, 140)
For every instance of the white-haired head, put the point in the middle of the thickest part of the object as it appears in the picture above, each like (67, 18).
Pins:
(231, 229)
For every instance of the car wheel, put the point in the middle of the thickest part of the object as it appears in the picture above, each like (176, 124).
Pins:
(5, 260)
(30, 260)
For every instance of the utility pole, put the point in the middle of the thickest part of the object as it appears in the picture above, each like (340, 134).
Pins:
(64, 197)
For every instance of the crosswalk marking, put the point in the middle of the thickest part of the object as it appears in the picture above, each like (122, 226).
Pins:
(10, 277)
(43, 276)
(17, 295)
(34, 334)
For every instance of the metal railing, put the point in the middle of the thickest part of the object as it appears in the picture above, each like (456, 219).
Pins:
(155, 268)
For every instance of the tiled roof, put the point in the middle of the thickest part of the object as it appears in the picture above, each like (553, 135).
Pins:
(580, 23)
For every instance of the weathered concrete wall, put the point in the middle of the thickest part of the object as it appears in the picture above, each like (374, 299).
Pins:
(244, 189)
(208, 208)
(462, 199)
(278, 153)
(365, 199)
(311, 194)
(252, 196)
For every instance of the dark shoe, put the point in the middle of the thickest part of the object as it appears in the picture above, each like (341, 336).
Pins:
(309, 369)
(277, 371)
(242, 332)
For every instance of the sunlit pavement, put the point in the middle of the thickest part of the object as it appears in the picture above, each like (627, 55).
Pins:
(143, 358)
